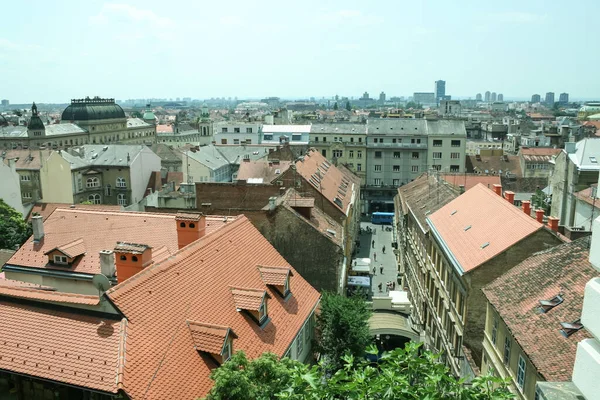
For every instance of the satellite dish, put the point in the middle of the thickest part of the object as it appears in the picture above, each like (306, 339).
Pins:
(101, 282)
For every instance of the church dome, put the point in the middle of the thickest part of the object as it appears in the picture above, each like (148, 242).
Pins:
(92, 109)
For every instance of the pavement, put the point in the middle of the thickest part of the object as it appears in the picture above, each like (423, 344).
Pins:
(379, 259)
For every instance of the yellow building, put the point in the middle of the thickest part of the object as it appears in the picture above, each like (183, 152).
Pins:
(343, 143)
(532, 324)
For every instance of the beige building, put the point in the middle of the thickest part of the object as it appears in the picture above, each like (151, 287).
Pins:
(10, 190)
(533, 318)
(343, 143)
(536, 162)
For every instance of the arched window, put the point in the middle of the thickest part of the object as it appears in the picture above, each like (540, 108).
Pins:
(94, 198)
(107, 190)
(121, 182)
(121, 199)
(92, 182)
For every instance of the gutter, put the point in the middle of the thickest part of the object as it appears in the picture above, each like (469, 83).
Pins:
(45, 272)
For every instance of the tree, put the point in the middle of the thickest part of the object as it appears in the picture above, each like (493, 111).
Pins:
(335, 106)
(342, 327)
(348, 106)
(400, 374)
(14, 231)
(412, 104)
(539, 200)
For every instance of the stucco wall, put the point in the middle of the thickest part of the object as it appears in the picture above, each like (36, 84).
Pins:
(56, 180)
(10, 189)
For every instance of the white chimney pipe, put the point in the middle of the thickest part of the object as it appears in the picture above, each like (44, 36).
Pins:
(37, 223)
(107, 263)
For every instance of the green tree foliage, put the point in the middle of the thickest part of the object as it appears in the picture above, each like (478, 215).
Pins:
(342, 327)
(348, 106)
(401, 374)
(412, 104)
(539, 200)
(14, 231)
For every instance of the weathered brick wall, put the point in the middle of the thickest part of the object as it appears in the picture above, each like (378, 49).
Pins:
(486, 273)
(233, 196)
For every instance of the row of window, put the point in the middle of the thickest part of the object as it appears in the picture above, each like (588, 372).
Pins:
(538, 166)
(235, 130)
(97, 199)
(94, 182)
(440, 143)
(295, 137)
(337, 139)
(521, 366)
(438, 154)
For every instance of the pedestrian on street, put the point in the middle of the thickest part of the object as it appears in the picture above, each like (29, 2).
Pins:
(374, 271)
(379, 287)
(375, 256)
(394, 286)
(373, 243)
(383, 250)
(381, 270)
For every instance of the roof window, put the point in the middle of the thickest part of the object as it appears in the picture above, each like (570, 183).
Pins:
(486, 244)
(467, 228)
(547, 305)
(253, 302)
(216, 341)
(453, 212)
(569, 328)
(593, 160)
(277, 278)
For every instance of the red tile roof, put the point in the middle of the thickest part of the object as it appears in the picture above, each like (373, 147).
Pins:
(60, 346)
(18, 289)
(515, 295)
(478, 225)
(71, 249)
(336, 184)
(100, 230)
(247, 299)
(45, 209)
(274, 275)
(195, 285)
(207, 337)
(27, 159)
(470, 180)
(262, 169)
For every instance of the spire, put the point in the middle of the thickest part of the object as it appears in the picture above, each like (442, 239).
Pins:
(34, 110)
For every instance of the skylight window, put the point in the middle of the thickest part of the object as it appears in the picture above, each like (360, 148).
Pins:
(453, 212)
(486, 244)
(569, 328)
(467, 227)
(547, 305)
(593, 160)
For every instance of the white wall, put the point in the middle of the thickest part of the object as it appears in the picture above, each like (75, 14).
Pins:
(142, 166)
(10, 187)
(56, 180)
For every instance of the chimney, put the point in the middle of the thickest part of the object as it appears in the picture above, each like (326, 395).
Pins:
(107, 263)
(539, 215)
(281, 190)
(130, 259)
(498, 189)
(461, 188)
(510, 196)
(190, 227)
(37, 222)
(11, 163)
(553, 223)
(527, 207)
(272, 200)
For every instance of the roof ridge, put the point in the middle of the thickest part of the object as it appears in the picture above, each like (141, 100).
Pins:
(147, 273)
(122, 354)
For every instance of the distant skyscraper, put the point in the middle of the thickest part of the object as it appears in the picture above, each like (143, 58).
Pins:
(549, 99)
(440, 90)
(493, 97)
(382, 97)
(500, 97)
(478, 97)
(536, 98)
(563, 98)
(5, 103)
(365, 96)
(487, 96)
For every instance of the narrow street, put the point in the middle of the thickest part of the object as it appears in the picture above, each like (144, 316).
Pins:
(381, 237)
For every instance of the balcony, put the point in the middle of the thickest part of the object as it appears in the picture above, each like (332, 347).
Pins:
(397, 146)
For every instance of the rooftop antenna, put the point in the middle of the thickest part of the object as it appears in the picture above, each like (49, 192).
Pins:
(101, 283)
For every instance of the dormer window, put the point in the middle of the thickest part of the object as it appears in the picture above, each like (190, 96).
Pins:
(277, 278)
(569, 328)
(214, 341)
(547, 305)
(59, 259)
(67, 253)
(252, 302)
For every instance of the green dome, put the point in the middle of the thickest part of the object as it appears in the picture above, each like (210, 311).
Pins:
(92, 109)
(149, 115)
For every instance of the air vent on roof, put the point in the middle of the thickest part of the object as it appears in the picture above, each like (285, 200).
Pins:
(453, 212)
(331, 232)
(94, 156)
(338, 202)
(277, 171)
(105, 148)
(547, 305)
(569, 328)
(467, 227)
(486, 244)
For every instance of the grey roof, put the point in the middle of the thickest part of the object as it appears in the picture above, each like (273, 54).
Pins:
(208, 156)
(235, 154)
(102, 155)
(587, 151)
(63, 129)
(393, 126)
(342, 128)
(13, 131)
(166, 152)
(136, 122)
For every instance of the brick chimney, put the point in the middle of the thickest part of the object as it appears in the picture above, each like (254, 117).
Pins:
(498, 189)
(539, 215)
(510, 196)
(190, 227)
(527, 207)
(553, 223)
(131, 258)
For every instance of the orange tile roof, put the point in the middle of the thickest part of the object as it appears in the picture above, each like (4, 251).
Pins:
(247, 299)
(262, 169)
(100, 230)
(71, 249)
(539, 151)
(74, 349)
(27, 159)
(209, 338)
(335, 184)
(45, 209)
(516, 296)
(274, 275)
(470, 180)
(11, 288)
(493, 225)
(195, 285)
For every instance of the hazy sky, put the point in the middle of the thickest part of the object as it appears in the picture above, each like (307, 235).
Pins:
(52, 51)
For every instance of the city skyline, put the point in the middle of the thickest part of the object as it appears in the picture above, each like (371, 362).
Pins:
(155, 50)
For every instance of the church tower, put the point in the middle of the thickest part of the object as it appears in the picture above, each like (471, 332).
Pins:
(35, 126)
(205, 127)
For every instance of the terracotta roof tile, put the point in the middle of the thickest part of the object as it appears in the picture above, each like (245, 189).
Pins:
(207, 337)
(336, 184)
(248, 299)
(13, 289)
(100, 230)
(45, 209)
(297, 201)
(478, 225)
(195, 285)
(65, 347)
(470, 180)
(274, 275)
(264, 170)
(72, 249)
(516, 296)
(493, 165)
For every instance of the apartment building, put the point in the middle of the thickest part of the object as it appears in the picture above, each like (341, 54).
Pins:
(179, 310)
(476, 238)
(533, 318)
(236, 132)
(536, 162)
(343, 143)
(446, 146)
